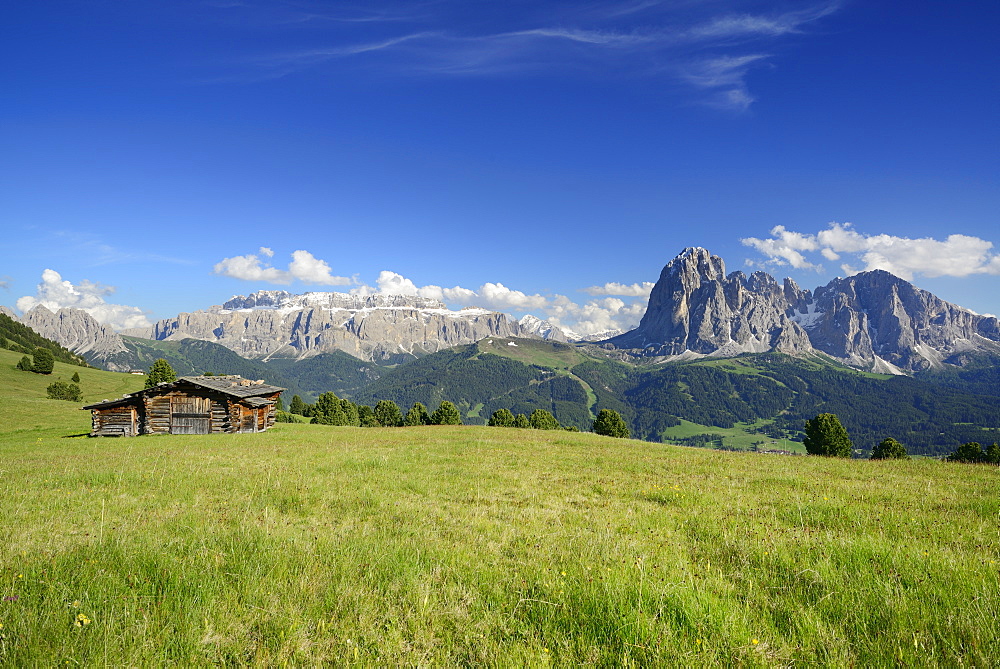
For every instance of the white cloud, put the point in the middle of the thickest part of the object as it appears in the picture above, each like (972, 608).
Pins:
(633, 290)
(957, 255)
(54, 293)
(609, 313)
(304, 267)
(499, 296)
(785, 247)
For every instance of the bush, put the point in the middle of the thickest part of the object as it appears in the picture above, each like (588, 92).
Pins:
(889, 449)
(366, 417)
(60, 390)
(26, 364)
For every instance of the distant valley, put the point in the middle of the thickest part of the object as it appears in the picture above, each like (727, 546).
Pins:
(735, 354)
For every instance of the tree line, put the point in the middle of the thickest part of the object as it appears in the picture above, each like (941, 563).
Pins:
(332, 410)
(825, 435)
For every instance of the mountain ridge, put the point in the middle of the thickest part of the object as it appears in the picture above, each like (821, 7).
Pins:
(872, 320)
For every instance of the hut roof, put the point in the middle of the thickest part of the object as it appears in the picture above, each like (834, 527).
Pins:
(235, 386)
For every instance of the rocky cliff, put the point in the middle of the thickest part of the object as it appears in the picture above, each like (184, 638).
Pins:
(77, 331)
(374, 327)
(872, 320)
(695, 307)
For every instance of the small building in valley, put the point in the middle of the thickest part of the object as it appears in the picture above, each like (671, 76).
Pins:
(189, 405)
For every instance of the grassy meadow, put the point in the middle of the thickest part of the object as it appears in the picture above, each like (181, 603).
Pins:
(308, 544)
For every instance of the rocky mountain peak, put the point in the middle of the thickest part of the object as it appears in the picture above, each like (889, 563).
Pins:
(695, 308)
(874, 320)
(76, 330)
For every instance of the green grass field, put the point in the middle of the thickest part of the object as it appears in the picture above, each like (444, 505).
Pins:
(310, 544)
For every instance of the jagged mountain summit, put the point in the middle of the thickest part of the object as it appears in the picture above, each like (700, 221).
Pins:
(388, 328)
(534, 326)
(872, 320)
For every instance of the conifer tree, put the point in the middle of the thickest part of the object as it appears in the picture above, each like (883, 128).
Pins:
(826, 436)
(387, 413)
(417, 415)
(76, 377)
(520, 420)
(26, 364)
(971, 452)
(297, 406)
(160, 372)
(366, 417)
(541, 419)
(501, 418)
(350, 410)
(610, 424)
(446, 414)
(44, 361)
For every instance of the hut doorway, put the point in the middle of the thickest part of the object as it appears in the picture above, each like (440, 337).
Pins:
(190, 415)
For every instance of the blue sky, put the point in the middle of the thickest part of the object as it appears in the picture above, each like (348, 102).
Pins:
(542, 157)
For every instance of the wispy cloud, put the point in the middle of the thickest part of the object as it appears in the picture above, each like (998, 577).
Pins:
(703, 47)
(957, 255)
(97, 252)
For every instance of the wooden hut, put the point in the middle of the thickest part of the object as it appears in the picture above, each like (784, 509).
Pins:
(189, 405)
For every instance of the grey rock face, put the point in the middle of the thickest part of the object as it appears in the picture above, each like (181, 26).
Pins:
(876, 315)
(873, 320)
(374, 327)
(694, 307)
(76, 330)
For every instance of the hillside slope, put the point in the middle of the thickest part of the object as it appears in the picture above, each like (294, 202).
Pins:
(315, 545)
(767, 397)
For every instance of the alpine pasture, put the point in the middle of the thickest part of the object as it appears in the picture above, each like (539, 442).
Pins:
(475, 546)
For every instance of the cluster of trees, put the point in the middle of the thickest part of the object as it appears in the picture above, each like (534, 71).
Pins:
(973, 453)
(332, 410)
(61, 390)
(826, 436)
(608, 422)
(41, 362)
(15, 336)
